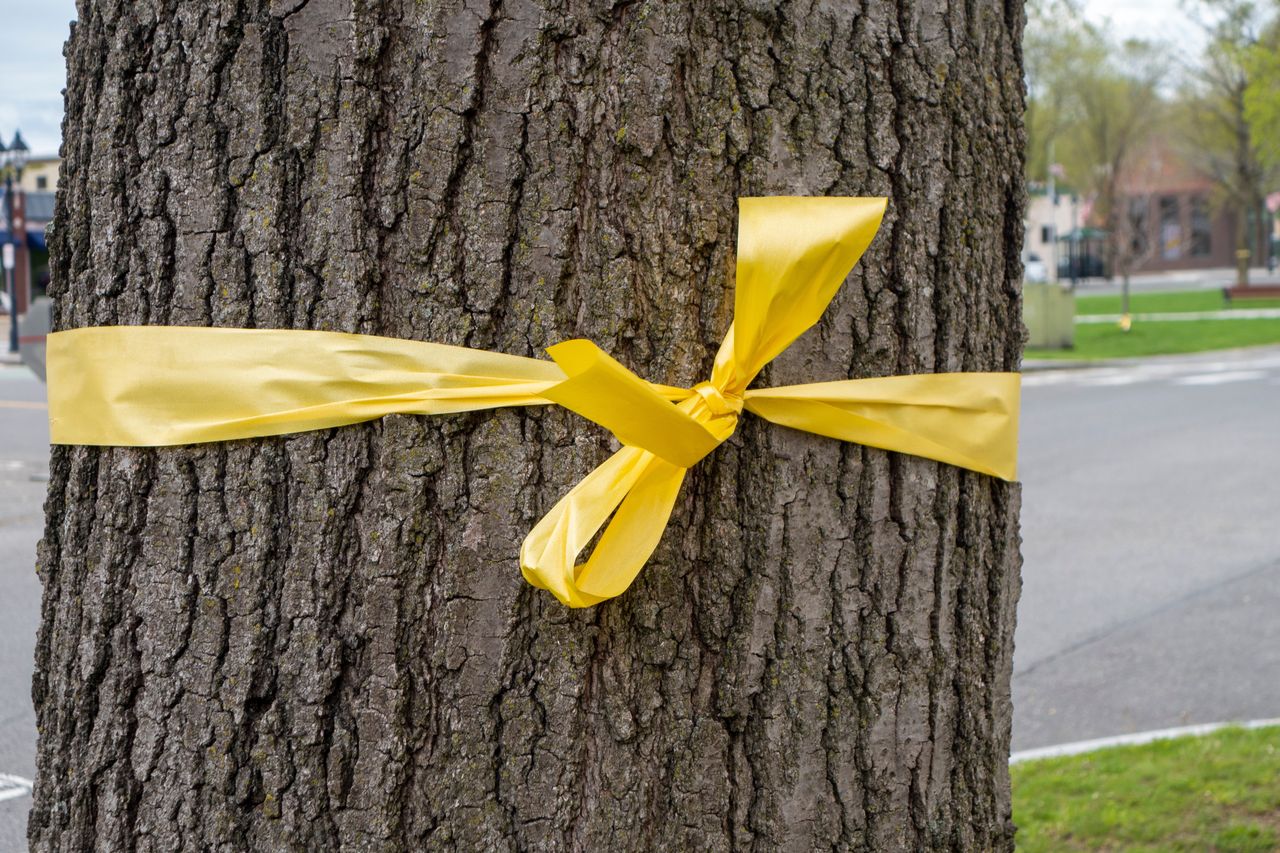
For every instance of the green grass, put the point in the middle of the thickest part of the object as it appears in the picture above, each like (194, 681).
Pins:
(1219, 793)
(1172, 301)
(1106, 340)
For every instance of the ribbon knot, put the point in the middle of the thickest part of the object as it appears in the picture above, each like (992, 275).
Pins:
(717, 402)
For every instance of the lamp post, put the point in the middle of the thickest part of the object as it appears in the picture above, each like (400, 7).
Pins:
(14, 160)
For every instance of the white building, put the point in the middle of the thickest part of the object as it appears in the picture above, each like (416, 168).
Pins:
(41, 174)
(1047, 219)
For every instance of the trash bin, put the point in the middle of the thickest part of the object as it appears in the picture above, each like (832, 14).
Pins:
(1049, 311)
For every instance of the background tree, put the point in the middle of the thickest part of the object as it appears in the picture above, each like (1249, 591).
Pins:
(1218, 135)
(1055, 46)
(1262, 93)
(1133, 219)
(1096, 103)
(322, 641)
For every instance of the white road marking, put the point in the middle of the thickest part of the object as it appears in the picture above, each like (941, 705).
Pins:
(1086, 376)
(1216, 372)
(1120, 379)
(1221, 378)
(12, 787)
(1135, 739)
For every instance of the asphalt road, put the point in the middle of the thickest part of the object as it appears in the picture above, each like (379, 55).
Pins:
(24, 452)
(1151, 541)
(1151, 536)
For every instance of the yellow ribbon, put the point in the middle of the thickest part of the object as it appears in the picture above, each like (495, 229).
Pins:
(161, 385)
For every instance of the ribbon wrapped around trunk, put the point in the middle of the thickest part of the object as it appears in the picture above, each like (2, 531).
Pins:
(167, 385)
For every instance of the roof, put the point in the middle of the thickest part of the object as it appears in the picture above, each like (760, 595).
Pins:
(1162, 168)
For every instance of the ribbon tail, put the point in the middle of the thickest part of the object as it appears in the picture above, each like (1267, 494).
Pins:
(633, 486)
(151, 386)
(965, 419)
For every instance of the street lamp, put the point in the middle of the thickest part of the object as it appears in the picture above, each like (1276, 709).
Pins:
(14, 160)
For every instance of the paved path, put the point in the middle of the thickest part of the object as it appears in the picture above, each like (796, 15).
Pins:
(1151, 585)
(1209, 279)
(1184, 316)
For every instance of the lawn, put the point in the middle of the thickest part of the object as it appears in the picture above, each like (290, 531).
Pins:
(1105, 340)
(1219, 793)
(1147, 337)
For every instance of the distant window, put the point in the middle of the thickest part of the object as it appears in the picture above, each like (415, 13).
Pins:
(1201, 228)
(1046, 233)
(1170, 229)
(42, 182)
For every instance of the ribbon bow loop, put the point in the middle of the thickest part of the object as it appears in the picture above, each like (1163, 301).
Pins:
(794, 252)
(793, 255)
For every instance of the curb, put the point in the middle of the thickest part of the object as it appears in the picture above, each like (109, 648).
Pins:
(1036, 365)
(1135, 739)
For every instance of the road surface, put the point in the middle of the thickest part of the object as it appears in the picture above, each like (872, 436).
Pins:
(24, 451)
(1151, 528)
(1151, 545)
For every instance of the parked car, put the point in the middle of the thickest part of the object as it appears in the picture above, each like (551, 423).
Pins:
(1034, 269)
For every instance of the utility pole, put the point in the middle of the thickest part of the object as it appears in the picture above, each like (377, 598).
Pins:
(1053, 224)
(12, 160)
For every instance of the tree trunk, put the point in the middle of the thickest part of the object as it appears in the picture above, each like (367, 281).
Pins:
(322, 641)
(1242, 245)
(1262, 230)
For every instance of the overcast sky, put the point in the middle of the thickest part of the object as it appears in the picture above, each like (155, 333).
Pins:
(31, 74)
(1160, 20)
(32, 33)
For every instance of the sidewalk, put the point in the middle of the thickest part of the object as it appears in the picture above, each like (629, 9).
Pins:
(1182, 316)
(6, 357)
(1206, 279)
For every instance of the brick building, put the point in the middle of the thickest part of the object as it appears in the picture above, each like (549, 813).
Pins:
(1172, 217)
(32, 212)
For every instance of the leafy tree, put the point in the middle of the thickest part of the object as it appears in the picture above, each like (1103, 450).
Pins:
(1055, 47)
(1218, 133)
(1262, 94)
(1093, 101)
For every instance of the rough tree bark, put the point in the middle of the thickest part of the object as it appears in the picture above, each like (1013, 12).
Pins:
(322, 641)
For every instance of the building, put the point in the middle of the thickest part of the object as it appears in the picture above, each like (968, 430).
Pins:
(1169, 217)
(41, 174)
(32, 213)
(1048, 219)
(1055, 234)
